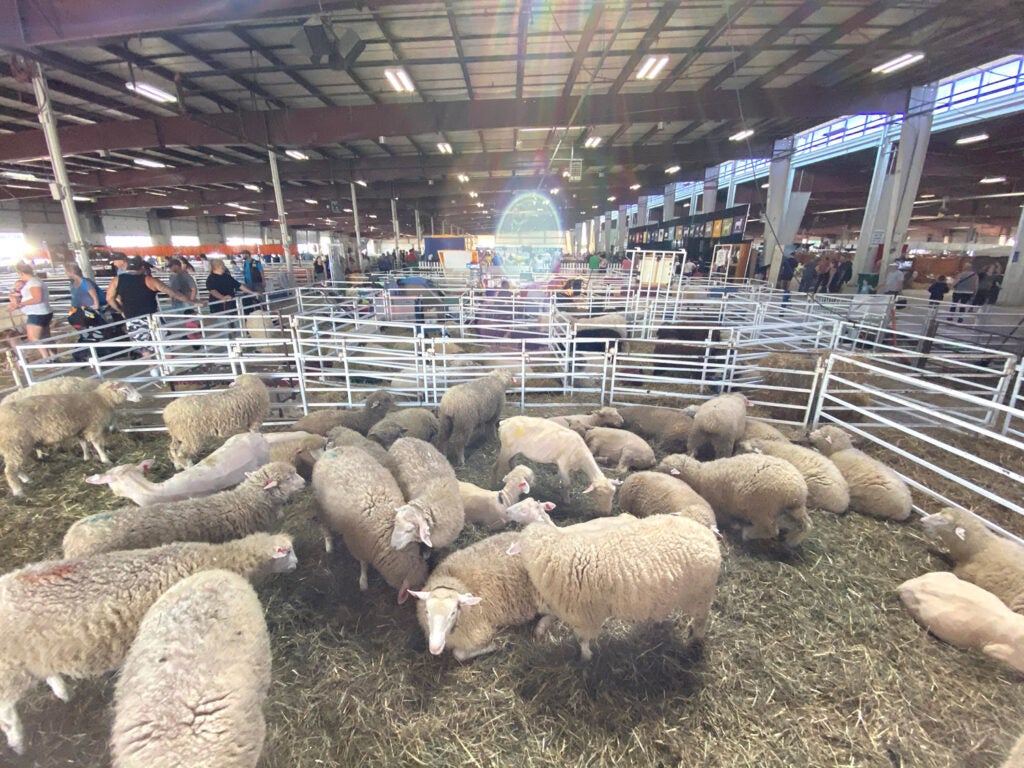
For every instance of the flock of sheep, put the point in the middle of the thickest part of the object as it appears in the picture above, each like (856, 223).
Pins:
(159, 589)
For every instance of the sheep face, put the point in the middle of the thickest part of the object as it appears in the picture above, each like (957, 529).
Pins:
(123, 392)
(379, 402)
(948, 529)
(411, 526)
(609, 417)
(442, 609)
(112, 474)
(604, 494)
(282, 556)
(830, 439)
(530, 511)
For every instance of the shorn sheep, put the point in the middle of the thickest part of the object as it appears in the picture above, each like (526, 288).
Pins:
(52, 419)
(874, 488)
(826, 487)
(255, 505)
(980, 555)
(433, 513)
(488, 508)
(472, 594)
(666, 428)
(620, 447)
(194, 420)
(406, 422)
(654, 493)
(78, 617)
(546, 443)
(358, 498)
(602, 417)
(467, 407)
(192, 687)
(373, 409)
(717, 425)
(633, 570)
(224, 468)
(768, 495)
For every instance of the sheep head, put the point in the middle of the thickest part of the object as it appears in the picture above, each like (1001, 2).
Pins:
(530, 511)
(604, 494)
(829, 439)
(442, 606)
(958, 531)
(124, 470)
(411, 526)
(609, 417)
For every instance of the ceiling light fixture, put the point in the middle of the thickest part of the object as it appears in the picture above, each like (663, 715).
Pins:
(672, 169)
(611, 199)
(372, 216)
(347, 210)
(926, 196)
(444, 147)
(399, 80)
(993, 180)
(764, 186)
(555, 190)
(473, 194)
(463, 178)
(361, 183)
(147, 163)
(744, 134)
(973, 139)
(251, 187)
(310, 201)
(651, 68)
(634, 187)
(295, 154)
(592, 142)
(83, 199)
(900, 62)
(151, 92)
(180, 207)
(19, 176)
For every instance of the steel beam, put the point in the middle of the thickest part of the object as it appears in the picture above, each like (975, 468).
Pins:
(282, 217)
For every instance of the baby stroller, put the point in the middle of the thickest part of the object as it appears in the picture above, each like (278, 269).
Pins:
(94, 326)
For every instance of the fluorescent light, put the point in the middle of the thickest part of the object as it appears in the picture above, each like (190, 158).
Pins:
(473, 194)
(764, 186)
(180, 207)
(399, 80)
(360, 182)
(310, 201)
(151, 92)
(463, 178)
(147, 163)
(296, 154)
(634, 187)
(973, 139)
(993, 180)
(18, 175)
(925, 197)
(372, 216)
(672, 169)
(83, 199)
(555, 190)
(347, 210)
(900, 62)
(651, 68)
(251, 187)
(611, 199)
(479, 205)
(593, 206)
(745, 134)
(444, 147)
(592, 142)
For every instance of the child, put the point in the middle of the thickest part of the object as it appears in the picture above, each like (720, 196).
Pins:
(938, 289)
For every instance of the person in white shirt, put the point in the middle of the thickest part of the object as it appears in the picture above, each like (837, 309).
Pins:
(33, 299)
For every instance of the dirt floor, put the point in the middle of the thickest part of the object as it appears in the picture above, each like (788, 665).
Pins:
(810, 660)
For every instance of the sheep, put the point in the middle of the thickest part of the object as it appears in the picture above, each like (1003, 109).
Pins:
(472, 594)
(546, 443)
(192, 687)
(654, 493)
(78, 617)
(529, 511)
(980, 555)
(826, 487)
(374, 408)
(602, 417)
(52, 419)
(59, 385)
(300, 449)
(966, 616)
(194, 419)
(253, 506)
(717, 425)
(358, 498)
(487, 508)
(406, 422)
(467, 407)
(224, 468)
(874, 488)
(634, 570)
(768, 494)
(665, 427)
(1016, 757)
(433, 513)
(620, 446)
(265, 325)
(756, 429)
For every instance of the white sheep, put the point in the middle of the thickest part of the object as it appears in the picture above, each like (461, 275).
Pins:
(342, 437)
(406, 422)
(52, 419)
(529, 510)
(580, 423)
(717, 425)
(472, 594)
(966, 616)
(668, 428)
(768, 495)
(373, 409)
(255, 505)
(192, 687)
(59, 385)
(632, 570)
(433, 513)
(78, 617)
(980, 555)
(874, 488)
(620, 447)
(225, 467)
(761, 430)
(265, 325)
(487, 508)
(467, 407)
(827, 489)
(194, 419)
(655, 493)
(546, 443)
(358, 498)
(300, 449)
(1016, 757)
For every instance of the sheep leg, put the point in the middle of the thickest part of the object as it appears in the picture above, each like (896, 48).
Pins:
(585, 653)
(542, 626)
(462, 655)
(565, 478)
(59, 687)
(364, 582)
(98, 445)
(15, 477)
(328, 540)
(11, 725)
(85, 449)
(14, 683)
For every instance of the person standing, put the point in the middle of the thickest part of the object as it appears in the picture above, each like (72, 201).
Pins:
(965, 285)
(986, 282)
(133, 294)
(319, 270)
(85, 294)
(182, 282)
(223, 287)
(843, 274)
(33, 299)
(938, 290)
(252, 272)
(894, 280)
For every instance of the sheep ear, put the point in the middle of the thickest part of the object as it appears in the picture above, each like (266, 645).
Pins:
(548, 506)
(269, 484)
(589, 488)
(98, 479)
(513, 549)
(146, 464)
(674, 471)
(418, 595)
(468, 598)
(425, 532)
(282, 552)
(961, 533)
(524, 487)
(615, 482)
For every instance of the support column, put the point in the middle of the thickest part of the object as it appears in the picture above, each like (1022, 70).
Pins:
(780, 187)
(641, 210)
(394, 224)
(710, 190)
(419, 233)
(668, 211)
(1012, 292)
(730, 195)
(282, 217)
(159, 229)
(355, 218)
(61, 189)
(694, 197)
(622, 230)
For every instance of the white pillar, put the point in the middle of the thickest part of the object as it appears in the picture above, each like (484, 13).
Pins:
(710, 189)
(641, 211)
(282, 217)
(872, 227)
(622, 231)
(355, 218)
(668, 211)
(780, 187)
(1012, 292)
(394, 223)
(419, 233)
(695, 190)
(730, 195)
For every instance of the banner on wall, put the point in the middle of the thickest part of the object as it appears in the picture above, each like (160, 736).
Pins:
(726, 226)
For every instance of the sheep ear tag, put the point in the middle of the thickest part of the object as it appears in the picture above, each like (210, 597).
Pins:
(961, 533)
(469, 599)
(674, 471)
(269, 484)
(282, 552)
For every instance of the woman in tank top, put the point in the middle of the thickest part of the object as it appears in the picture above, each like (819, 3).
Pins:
(33, 299)
(133, 294)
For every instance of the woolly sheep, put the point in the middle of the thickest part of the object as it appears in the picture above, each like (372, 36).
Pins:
(224, 468)
(472, 594)
(52, 419)
(1016, 757)
(874, 488)
(433, 513)
(546, 443)
(341, 437)
(78, 617)
(635, 570)
(194, 419)
(756, 429)
(621, 447)
(717, 425)
(487, 508)
(980, 555)
(358, 498)
(466, 407)
(255, 505)
(192, 687)
(768, 494)
(826, 487)
(59, 385)
(966, 616)
(406, 422)
(654, 493)
(658, 424)
(602, 417)
(374, 408)
(265, 325)
(300, 449)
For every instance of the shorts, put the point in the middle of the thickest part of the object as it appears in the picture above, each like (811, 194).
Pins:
(43, 321)
(138, 329)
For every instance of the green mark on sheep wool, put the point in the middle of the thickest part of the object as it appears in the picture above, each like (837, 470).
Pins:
(98, 518)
